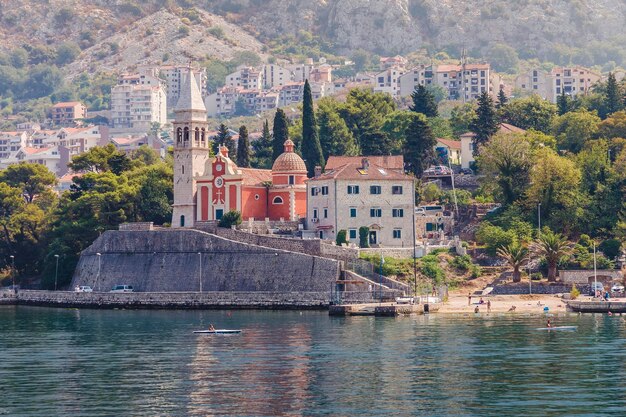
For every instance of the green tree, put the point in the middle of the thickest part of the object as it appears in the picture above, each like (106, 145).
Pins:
(41, 81)
(230, 218)
(101, 159)
(494, 237)
(419, 145)
(31, 179)
(515, 255)
(613, 126)
(574, 129)
(67, 53)
(563, 103)
(243, 148)
(335, 137)
(613, 98)
(154, 192)
(502, 98)
(311, 148)
(461, 118)
(529, 113)
(503, 58)
(485, 125)
(553, 247)
(555, 183)
(423, 102)
(394, 127)
(280, 133)
(262, 149)
(341, 238)
(364, 233)
(506, 161)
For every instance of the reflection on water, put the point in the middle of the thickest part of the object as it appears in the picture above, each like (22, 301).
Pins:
(101, 363)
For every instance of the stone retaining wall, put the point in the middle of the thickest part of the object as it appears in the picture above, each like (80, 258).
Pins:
(587, 276)
(522, 288)
(187, 260)
(177, 300)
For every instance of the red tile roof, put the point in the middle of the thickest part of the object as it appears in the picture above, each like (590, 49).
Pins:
(253, 176)
(32, 151)
(452, 144)
(354, 171)
(67, 104)
(389, 162)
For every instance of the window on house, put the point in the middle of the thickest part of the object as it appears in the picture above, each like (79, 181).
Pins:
(376, 212)
(353, 189)
(325, 213)
(397, 233)
(325, 190)
(315, 213)
(292, 180)
(277, 200)
(396, 189)
(375, 189)
(352, 233)
(397, 212)
(315, 191)
(352, 211)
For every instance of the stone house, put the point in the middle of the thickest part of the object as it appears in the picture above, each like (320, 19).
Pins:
(354, 192)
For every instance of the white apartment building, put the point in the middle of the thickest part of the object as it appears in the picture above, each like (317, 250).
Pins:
(409, 81)
(363, 191)
(387, 81)
(11, 142)
(137, 106)
(550, 85)
(54, 158)
(174, 77)
(275, 76)
(463, 82)
(248, 78)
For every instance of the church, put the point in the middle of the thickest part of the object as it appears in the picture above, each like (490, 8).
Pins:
(206, 187)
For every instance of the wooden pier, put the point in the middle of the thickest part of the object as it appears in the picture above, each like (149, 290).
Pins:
(381, 309)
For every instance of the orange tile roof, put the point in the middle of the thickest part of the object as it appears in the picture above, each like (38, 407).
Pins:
(254, 176)
(354, 171)
(452, 144)
(507, 128)
(67, 104)
(31, 151)
(389, 162)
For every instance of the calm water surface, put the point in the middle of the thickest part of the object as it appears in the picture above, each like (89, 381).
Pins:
(63, 362)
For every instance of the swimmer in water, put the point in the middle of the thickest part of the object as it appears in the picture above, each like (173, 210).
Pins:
(549, 324)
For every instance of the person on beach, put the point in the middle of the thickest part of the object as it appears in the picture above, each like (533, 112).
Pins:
(512, 308)
(488, 306)
(549, 324)
(469, 299)
(481, 301)
(476, 310)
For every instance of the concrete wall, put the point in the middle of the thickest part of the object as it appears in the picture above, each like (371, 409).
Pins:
(586, 276)
(168, 260)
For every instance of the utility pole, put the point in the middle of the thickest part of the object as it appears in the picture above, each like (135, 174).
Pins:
(99, 255)
(56, 273)
(539, 216)
(13, 270)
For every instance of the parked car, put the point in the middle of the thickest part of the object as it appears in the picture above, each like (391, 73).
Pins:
(428, 210)
(122, 288)
(83, 288)
(594, 287)
(617, 288)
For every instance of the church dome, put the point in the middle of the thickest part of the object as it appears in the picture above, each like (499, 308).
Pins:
(289, 161)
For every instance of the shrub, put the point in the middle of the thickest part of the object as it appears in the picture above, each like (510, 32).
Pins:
(341, 238)
(232, 218)
(429, 266)
(183, 30)
(574, 293)
(475, 271)
(364, 233)
(217, 31)
(611, 248)
(494, 237)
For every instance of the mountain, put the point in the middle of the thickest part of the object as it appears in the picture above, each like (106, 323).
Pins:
(118, 33)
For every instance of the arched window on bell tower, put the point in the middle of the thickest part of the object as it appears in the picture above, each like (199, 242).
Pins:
(196, 136)
(186, 135)
(203, 137)
(179, 136)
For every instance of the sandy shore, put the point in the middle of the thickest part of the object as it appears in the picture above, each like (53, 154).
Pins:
(502, 303)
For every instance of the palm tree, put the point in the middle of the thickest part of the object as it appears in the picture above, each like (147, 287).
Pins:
(515, 254)
(552, 246)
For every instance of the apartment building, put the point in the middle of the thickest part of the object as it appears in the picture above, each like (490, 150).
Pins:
(55, 158)
(387, 81)
(392, 61)
(572, 81)
(66, 113)
(275, 76)
(248, 78)
(355, 192)
(174, 77)
(463, 82)
(138, 106)
(11, 142)
(409, 81)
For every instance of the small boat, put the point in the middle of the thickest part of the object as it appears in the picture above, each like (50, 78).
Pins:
(217, 331)
(558, 328)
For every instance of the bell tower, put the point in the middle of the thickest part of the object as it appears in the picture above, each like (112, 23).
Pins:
(191, 151)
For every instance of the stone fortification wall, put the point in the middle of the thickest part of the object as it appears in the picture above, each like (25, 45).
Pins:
(177, 300)
(586, 276)
(309, 247)
(168, 260)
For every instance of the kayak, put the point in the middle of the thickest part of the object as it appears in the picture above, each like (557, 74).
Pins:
(558, 328)
(217, 331)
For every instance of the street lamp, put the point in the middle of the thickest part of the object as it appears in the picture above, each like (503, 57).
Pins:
(13, 270)
(56, 273)
(539, 216)
(200, 278)
(595, 271)
(99, 255)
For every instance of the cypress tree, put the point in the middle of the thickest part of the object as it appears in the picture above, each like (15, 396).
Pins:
(562, 103)
(263, 148)
(223, 137)
(281, 133)
(502, 99)
(424, 102)
(612, 100)
(243, 148)
(311, 148)
(419, 145)
(485, 125)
